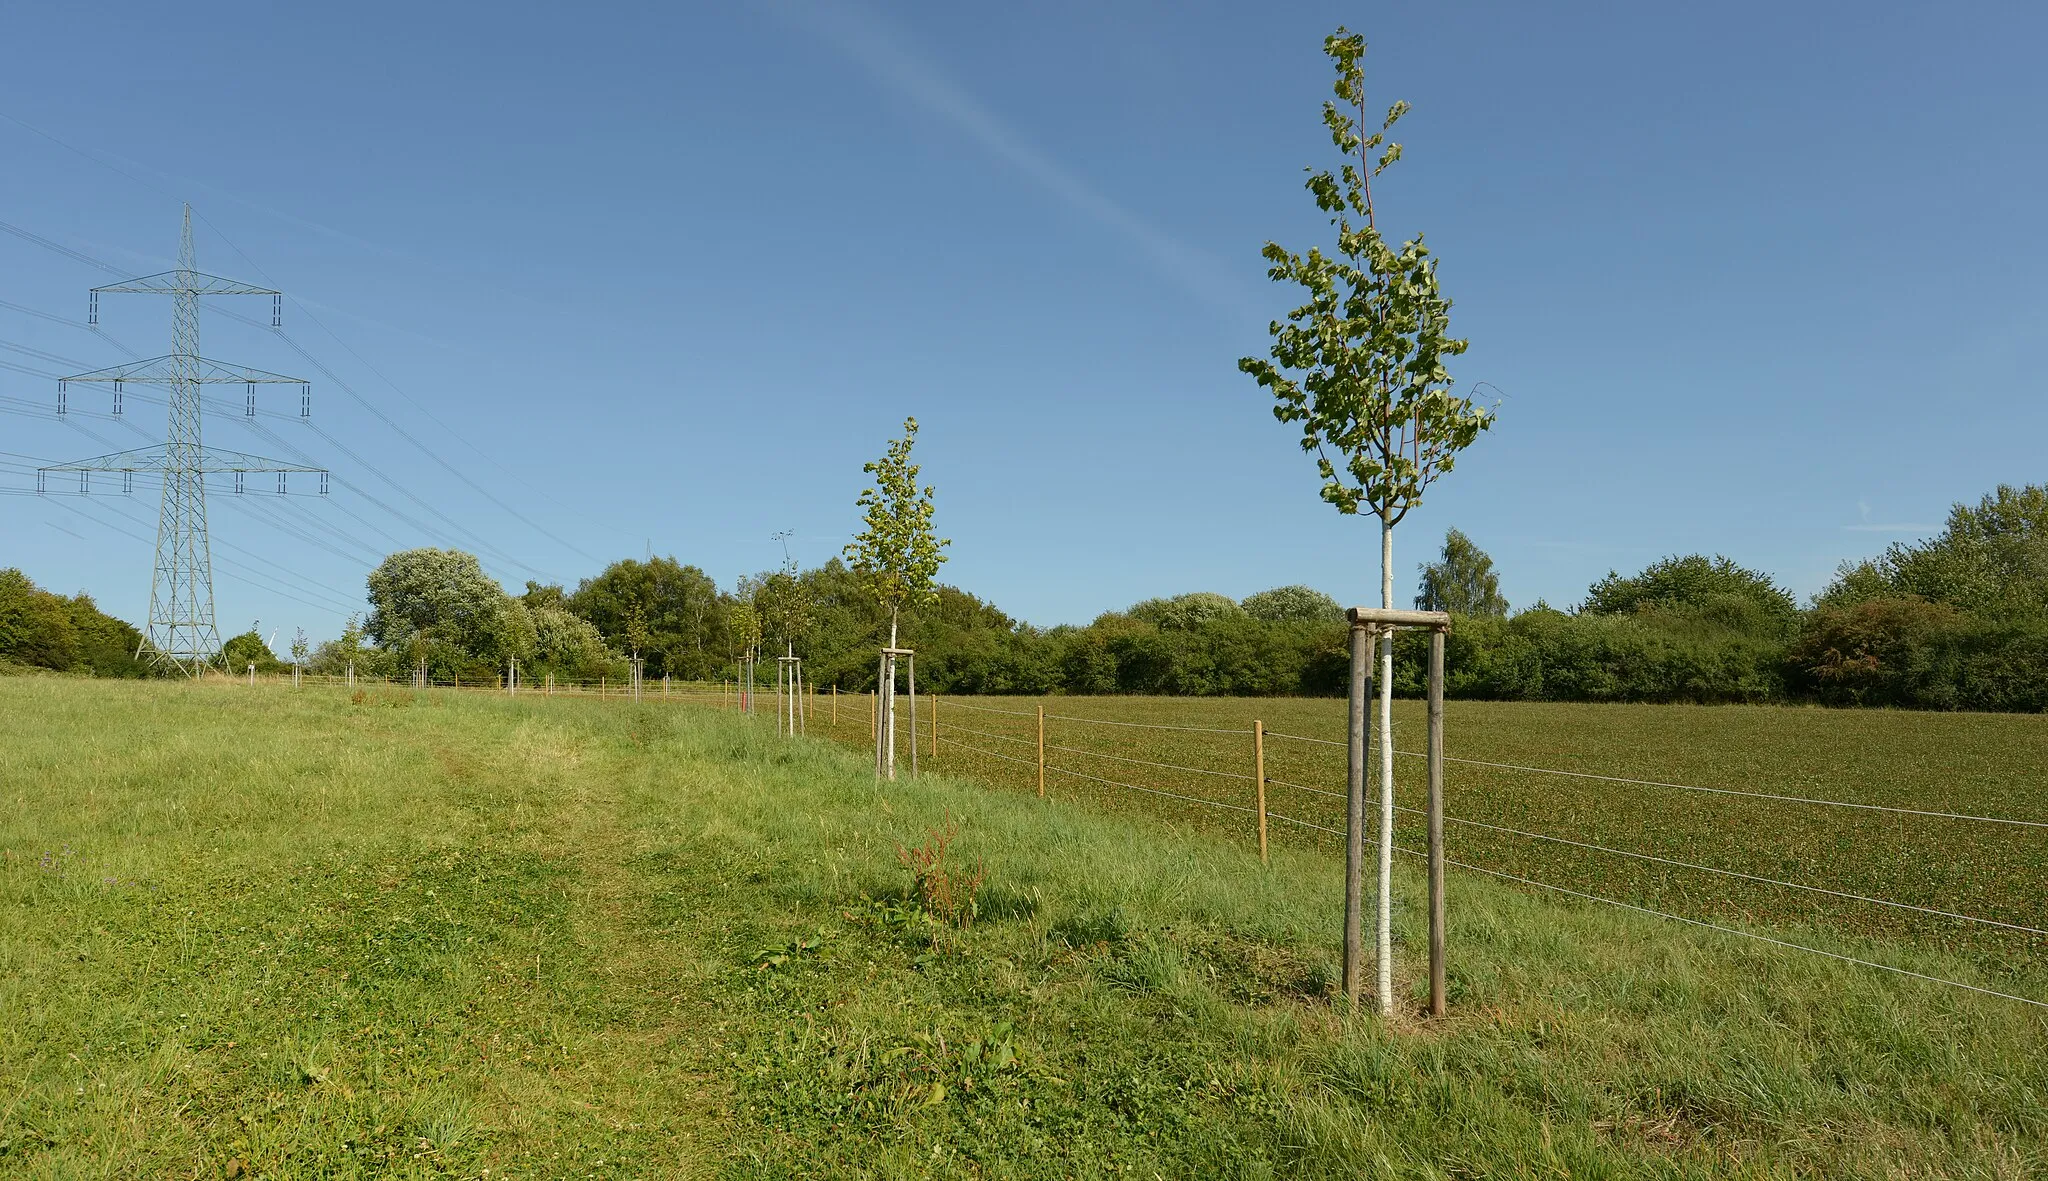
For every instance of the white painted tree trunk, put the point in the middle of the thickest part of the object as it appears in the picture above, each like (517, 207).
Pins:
(1385, 944)
(889, 696)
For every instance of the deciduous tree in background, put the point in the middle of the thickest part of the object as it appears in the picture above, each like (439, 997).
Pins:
(1461, 581)
(896, 555)
(1360, 366)
(439, 606)
(1991, 558)
(658, 609)
(1293, 604)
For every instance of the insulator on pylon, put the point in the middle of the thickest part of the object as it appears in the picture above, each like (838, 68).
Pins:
(92, 315)
(117, 397)
(250, 410)
(323, 483)
(306, 401)
(60, 399)
(127, 481)
(280, 483)
(277, 311)
(238, 483)
(42, 482)
(85, 483)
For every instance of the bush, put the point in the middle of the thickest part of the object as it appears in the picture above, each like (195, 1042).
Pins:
(1909, 652)
(39, 629)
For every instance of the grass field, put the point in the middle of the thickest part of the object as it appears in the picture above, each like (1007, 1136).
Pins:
(275, 934)
(1978, 764)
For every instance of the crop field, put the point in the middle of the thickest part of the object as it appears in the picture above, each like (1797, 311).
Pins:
(275, 933)
(1983, 765)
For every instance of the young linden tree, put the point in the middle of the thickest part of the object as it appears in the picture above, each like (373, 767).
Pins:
(1360, 365)
(896, 553)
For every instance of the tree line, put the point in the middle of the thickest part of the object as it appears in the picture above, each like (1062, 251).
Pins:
(1959, 621)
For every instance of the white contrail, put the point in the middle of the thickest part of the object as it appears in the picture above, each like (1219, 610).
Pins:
(864, 40)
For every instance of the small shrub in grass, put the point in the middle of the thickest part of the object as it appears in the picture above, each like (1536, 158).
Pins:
(782, 955)
(1093, 929)
(945, 891)
(1147, 966)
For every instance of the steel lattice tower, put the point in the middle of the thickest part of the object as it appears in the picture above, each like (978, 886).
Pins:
(181, 631)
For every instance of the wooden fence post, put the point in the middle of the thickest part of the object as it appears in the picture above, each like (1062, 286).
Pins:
(1259, 774)
(1354, 814)
(835, 707)
(935, 730)
(1437, 1001)
(1041, 752)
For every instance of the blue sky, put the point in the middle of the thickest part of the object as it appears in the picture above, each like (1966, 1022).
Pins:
(1756, 280)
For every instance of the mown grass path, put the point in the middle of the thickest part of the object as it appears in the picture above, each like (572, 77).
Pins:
(294, 935)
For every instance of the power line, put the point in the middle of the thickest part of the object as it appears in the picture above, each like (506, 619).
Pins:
(260, 580)
(400, 431)
(476, 539)
(275, 569)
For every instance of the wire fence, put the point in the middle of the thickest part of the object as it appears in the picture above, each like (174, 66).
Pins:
(1186, 790)
(1142, 749)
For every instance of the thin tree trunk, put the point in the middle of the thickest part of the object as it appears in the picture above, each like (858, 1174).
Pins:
(889, 714)
(1385, 947)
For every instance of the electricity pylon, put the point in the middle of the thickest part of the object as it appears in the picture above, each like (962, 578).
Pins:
(181, 630)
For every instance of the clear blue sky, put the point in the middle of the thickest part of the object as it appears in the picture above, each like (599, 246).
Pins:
(1763, 280)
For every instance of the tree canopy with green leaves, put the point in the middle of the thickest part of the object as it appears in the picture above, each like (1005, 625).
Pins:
(1293, 604)
(669, 613)
(237, 653)
(896, 553)
(439, 605)
(1461, 581)
(1991, 559)
(1691, 581)
(1182, 612)
(783, 600)
(41, 629)
(1360, 364)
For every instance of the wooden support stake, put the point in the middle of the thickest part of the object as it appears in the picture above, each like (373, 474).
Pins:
(1041, 752)
(935, 730)
(1437, 1001)
(1259, 775)
(913, 717)
(1354, 815)
(835, 707)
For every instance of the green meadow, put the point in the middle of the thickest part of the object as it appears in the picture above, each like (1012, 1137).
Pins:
(265, 933)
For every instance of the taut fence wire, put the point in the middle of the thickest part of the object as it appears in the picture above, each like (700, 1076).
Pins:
(939, 735)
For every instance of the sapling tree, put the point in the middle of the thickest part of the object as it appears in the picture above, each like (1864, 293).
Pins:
(743, 624)
(896, 555)
(1360, 367)
(783, 602)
